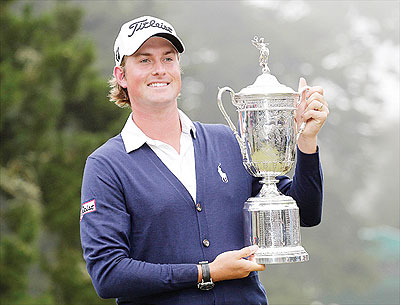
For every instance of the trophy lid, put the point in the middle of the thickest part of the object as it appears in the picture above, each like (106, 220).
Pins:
(266, 83)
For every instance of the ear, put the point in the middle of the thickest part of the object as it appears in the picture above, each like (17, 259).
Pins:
(120, 76)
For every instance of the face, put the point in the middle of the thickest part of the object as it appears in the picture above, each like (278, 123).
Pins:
(152, 75)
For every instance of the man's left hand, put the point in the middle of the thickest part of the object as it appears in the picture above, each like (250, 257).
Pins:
(314, 110)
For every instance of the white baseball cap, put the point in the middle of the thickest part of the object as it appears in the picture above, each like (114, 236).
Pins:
(135, 32)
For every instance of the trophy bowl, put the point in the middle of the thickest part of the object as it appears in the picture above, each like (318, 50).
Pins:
(267, 140)
(267, 128)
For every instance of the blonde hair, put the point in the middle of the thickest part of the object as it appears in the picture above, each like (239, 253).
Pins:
(119, 95)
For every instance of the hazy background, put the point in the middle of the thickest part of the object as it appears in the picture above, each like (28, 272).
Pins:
(56, 57)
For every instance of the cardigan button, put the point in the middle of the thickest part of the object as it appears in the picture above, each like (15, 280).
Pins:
(206, 242)
(198, 207)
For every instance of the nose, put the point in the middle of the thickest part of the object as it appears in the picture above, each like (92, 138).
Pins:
(159, 68)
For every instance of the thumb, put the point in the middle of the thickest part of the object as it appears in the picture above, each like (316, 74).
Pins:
(247, 251)
(302, 83)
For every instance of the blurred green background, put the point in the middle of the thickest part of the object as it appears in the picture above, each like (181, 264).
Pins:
(56, 58)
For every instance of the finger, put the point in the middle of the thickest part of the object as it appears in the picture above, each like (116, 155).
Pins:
(316, 96)
(318, 89)
(252, 258)
(318, 116)
(257, 267)
(316, 105)
(315, 90)
(302, 83)
(314, 102)
(247, 251)
(303, 88)
(252, 265)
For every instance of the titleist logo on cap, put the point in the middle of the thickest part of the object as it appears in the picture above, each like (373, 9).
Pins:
(144, 24)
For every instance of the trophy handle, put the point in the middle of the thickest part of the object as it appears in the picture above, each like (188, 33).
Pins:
(226, 116)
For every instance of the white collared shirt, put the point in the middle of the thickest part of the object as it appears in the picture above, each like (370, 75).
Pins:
(181, 165)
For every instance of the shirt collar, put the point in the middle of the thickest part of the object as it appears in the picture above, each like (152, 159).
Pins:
(134, 138)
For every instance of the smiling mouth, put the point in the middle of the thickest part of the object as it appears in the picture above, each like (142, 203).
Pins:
(157, 85)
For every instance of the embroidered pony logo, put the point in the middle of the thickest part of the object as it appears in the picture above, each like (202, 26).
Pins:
(224, 177)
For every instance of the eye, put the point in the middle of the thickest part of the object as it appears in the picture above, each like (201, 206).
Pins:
(169, 59)
(144, 60)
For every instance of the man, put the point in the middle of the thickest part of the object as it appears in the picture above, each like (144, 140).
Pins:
(165, 196)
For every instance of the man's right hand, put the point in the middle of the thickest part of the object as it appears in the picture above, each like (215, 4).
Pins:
(235, 264)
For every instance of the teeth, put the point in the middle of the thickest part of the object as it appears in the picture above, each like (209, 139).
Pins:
(158, 84)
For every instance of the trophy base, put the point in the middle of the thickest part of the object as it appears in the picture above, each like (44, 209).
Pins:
(281, 255)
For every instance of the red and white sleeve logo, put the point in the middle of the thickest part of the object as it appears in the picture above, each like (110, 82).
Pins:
(88, 207)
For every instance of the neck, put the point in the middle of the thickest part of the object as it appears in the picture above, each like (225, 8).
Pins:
(163, 125)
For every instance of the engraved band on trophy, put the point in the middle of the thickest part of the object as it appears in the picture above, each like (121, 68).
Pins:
(267, 140)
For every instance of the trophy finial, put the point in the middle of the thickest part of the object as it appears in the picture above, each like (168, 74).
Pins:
(264, 52)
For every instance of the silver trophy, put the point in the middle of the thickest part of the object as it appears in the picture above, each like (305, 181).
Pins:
(267, 139)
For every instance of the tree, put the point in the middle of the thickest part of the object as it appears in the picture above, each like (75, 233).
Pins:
(54, 112)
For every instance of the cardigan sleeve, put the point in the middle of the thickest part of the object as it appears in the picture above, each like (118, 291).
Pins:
(105, 227)
(306, 188)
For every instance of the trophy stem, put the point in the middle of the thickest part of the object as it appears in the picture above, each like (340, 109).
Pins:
(269, 187)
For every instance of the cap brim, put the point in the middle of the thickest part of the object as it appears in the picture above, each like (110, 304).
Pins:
(173, 39)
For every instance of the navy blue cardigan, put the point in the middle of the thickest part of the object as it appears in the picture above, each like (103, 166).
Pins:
(142, 235)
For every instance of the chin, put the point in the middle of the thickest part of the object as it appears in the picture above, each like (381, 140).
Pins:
(164, 99)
